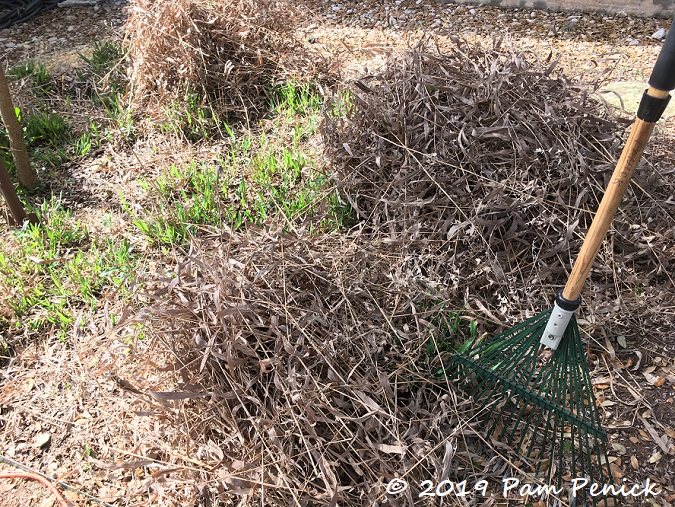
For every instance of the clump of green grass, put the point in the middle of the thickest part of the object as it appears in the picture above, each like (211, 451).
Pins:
(341, 106)
(261, 179)
(104, 56)
(191, 118)
(105, 74)
(455, 332)
(47, 128)
(185, 198)
(36, 72)
(5, 152)
(256, 182)
(88, 141)
(293, 99)
(48, 136)
(120, 112)
(300, 106)
(54, 269)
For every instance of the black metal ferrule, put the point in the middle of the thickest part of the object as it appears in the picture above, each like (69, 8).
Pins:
(651, 108)
(566, 304)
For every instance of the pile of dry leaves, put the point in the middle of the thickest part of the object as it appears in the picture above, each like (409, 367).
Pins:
(309, 365)
(488, 167)
(307, 362)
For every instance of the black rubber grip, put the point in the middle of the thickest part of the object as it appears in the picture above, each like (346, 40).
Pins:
(663, 76)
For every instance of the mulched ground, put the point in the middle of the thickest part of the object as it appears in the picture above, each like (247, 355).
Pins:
(102, 435)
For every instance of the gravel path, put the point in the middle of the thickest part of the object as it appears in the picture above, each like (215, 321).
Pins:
(447, 18)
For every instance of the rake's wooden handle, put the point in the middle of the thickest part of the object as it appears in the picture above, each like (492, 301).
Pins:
(621, 177)
(652, 105)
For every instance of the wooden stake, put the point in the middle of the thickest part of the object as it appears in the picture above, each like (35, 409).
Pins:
(24, 172)
(18, 213)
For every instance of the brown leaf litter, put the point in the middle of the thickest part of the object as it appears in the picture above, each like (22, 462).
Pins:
(277, 369)
(488, 167)
(304, 361)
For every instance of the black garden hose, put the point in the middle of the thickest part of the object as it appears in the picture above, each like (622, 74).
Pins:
(17, 11)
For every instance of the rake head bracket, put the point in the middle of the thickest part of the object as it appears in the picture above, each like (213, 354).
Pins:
(559, 320)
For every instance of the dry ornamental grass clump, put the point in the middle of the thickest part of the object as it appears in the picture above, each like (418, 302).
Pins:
(487, 167)
(311, 365)
(231, 53)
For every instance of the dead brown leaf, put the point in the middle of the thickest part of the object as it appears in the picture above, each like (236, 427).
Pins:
(616, 471)
(656, 457)
(634, 462)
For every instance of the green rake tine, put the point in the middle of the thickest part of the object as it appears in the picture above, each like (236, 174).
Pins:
(554, 388)
(523, 408)
(531, 357)
(523, 346)
(541, 415)
(603, 461)
(507, 372)
(486, 393)
(582, 455)
(557, 425)
(585, 465)
(525, 377)
(537, 424)
(534, 440)
(477, 393)
(573, 452)
(561, 425)
(592, 411)
(543, 390)
(490, 344)
(579, 408)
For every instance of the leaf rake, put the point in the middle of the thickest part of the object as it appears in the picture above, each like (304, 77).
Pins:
(532, 381)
